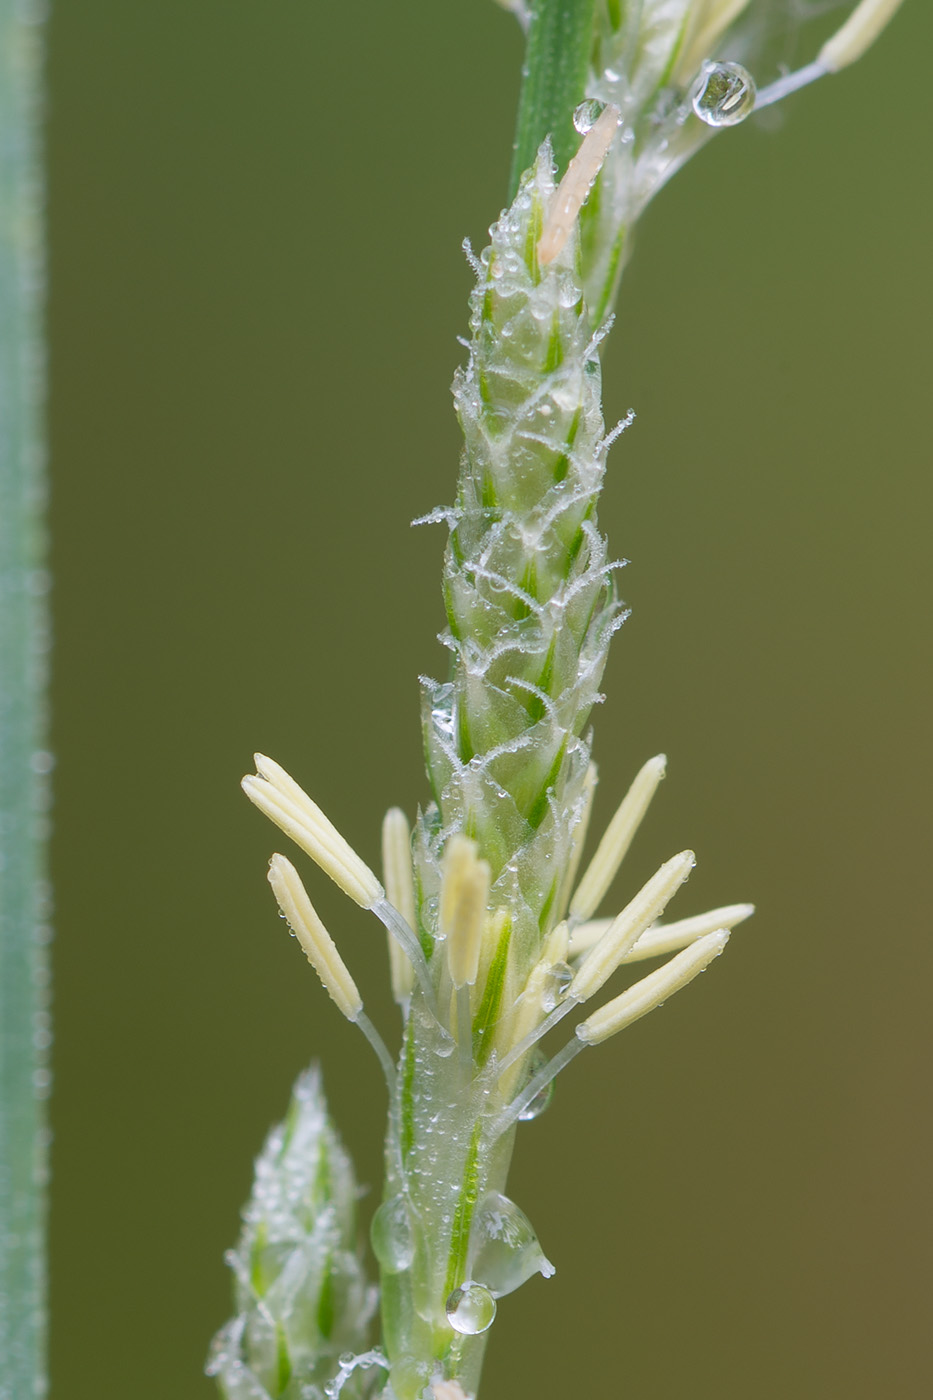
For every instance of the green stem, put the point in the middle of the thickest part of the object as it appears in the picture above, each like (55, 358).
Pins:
(23, 1031)
(560, 37)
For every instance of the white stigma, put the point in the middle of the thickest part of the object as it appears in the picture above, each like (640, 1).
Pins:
(577, 182)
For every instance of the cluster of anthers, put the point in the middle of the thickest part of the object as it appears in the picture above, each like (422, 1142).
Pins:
(580, 955)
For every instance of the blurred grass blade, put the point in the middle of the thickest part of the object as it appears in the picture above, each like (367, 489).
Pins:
(23, 1032)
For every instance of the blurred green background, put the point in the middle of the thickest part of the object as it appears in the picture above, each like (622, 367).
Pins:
(256, 285)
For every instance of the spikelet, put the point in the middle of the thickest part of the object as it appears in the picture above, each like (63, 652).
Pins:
(528, 584)
(301, 1294)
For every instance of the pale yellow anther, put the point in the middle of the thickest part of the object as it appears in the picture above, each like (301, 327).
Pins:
(680, 933)
(527, 1014)
(318, 946)
(662, 938)
(292, 810)
(573, 189)
(462, 912)
(858, 33)
(708, 21)
(625, 930)
(652, 990)
(578, 836)
(612, 848)
(400, 891)
(494, 926)
(557, 946)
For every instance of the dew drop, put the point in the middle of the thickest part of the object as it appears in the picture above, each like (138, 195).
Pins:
(569, 291)
(507, 1248)
(391, 1235)
(556, 983)
(543, 1097)
(470, 1309)
(724, 94)
(587, 114)
(443, 720)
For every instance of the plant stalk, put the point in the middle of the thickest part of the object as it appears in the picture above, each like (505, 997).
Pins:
(560, 39)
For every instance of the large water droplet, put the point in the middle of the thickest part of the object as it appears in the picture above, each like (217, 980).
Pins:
(543, 1097)
(391, 1235)
(556, 983)
(587, 114)
(470, 1309)
(507, 1252)
(724, 94)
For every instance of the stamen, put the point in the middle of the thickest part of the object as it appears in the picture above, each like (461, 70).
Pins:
(539, 1030)
(463, 899)
(316, 942)
(578, 835)
(290, 807)
(790, 82)
(536, 1083)
(714, 18)
(577, 183)
(379, 1045)
(625, 930)
(613, 847)
(669, 938)
(858, 33)
(847, 45)
(408, 940)
(652, 990)
(663, 938)
(464, 1026)
(400, 891)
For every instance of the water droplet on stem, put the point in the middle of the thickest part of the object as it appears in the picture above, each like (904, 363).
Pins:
(470, 1309)
(507, 1248)
(556, 983)
(391, 1235)
(543, 1097)
(724, 94)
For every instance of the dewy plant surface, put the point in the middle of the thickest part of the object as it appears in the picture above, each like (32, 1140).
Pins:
(492, 934)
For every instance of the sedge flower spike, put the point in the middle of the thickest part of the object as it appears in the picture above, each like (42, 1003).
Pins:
(482, 901)
(495, 938)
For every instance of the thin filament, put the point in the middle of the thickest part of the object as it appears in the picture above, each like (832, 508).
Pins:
(536, 1083)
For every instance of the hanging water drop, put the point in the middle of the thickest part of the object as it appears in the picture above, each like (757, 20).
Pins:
(587, 114)
(556, 983)
(391, 1234)
(507, 1248)
(470, 1309)
(543, 1097)
(724, 94)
